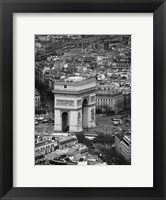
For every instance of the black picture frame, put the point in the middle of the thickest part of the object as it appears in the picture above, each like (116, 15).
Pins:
(7, 8)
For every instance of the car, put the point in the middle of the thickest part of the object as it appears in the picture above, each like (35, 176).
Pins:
(40, 118)
(44, 121)
(116, 121)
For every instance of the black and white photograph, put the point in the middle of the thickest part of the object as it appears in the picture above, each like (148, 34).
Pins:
(82, 100)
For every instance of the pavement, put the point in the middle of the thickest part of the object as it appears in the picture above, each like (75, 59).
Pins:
(44, 127)
(103, 125)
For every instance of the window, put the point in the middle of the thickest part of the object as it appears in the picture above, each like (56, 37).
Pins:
(65, 86)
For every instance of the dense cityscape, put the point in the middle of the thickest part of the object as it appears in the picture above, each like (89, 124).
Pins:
(82, 100)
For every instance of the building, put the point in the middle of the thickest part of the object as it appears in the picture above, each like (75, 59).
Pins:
(74, 104)
(126, 147)
(123, 145)
(67, 141)
(77, 152)
(118, 139)
(42, 137)
(37, 99)
(124, 63)
(39, 72)
(46, 147)
(39, 158)
(109, 100)
(69, 147)
(92, 159)
(46, 75)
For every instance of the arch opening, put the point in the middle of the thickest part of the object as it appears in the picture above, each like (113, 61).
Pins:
(85, 113)
(65, 122)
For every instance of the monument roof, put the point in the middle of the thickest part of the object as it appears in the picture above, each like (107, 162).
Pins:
(74, 81)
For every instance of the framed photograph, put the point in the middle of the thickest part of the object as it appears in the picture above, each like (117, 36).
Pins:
(82, 99)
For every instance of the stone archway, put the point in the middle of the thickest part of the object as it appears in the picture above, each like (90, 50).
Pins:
(65, 122)
(85, 113)
(69, 97)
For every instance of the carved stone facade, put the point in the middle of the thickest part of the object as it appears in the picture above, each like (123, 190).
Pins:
(74, 105)
(79, 120)
(93, 98)
(93, 114)
(79, 102)
(66, 103)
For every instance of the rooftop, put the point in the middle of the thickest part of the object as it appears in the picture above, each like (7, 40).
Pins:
(79, 146)
(63, 140)
(108, 93)
(128, 137)
(120, 135)
(75, 86)
(38, 155)
(37, 145)
(67, 151)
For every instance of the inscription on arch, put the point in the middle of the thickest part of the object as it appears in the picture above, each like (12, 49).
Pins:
(66, 103)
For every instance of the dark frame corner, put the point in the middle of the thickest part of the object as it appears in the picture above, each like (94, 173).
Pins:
(7, 8)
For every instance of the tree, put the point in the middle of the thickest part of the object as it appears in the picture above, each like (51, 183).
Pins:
(39, 112)
(119, 106)
(81, 139)
(98, 111)
(127, 104)
(108, 155)
(109, 111)
(105, 139)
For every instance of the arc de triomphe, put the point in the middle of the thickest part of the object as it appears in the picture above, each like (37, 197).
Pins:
(74, 104)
